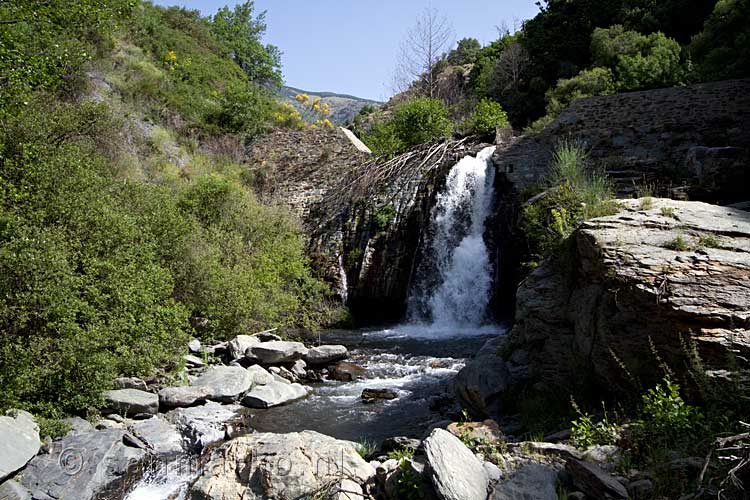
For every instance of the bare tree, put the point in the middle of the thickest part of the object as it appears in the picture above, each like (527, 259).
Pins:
(421, 50)
(512, 63)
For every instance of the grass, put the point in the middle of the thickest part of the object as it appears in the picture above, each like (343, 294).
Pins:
(401, 454)
(708, 241)
(678, 244)
(365, 448)
(647, 203)
(668, 212)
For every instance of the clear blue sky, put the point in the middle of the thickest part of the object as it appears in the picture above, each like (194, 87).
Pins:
(351, 46)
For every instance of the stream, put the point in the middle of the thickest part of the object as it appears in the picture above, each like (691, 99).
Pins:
(448, 323)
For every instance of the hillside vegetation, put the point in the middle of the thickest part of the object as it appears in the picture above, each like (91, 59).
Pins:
(571, 49)
(124, 210)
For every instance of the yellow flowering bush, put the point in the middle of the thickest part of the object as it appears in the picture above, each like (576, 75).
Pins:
(316, 111)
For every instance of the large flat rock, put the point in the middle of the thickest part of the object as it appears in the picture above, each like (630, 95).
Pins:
(453, 469)
(132, 401)
(530, 482)
(325, 354)
(278, 351)
(19, 441)
(83, 466)
(188, 395)
(274, 393)
(294, 465)
(225, 384)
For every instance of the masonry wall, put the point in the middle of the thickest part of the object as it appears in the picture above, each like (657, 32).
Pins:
(666, 135)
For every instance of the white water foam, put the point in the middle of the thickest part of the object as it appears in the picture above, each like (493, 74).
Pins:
(457, 305)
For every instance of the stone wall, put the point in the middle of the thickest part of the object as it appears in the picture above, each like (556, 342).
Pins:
(672, 137)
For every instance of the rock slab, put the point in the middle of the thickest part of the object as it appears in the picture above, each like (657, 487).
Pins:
(325, 354)
(266, 465)
(19, 441)
(226, 384)
(274, 393)
(278, 351)
(530, 482)
(453, 469)
(132, 401)
(83, 466)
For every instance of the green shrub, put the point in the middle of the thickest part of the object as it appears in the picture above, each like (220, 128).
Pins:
(586, 432)
(487, 117)
(383, 216)
(665, 422)
(709, 241)
(577, 193)
(85, 297)
(678, 244)
(365, 448)
(413, 122)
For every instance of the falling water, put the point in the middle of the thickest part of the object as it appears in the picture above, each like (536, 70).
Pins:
(455, 288)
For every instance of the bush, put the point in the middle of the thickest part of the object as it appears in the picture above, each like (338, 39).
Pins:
(576, 193)
(665, 422)
(586, 432)
(85, 297)
(413, 122)
(487, 118)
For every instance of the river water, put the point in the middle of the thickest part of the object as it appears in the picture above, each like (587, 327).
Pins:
(448, 323)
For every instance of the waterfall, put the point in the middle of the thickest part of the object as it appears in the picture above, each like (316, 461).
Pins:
(454, 278)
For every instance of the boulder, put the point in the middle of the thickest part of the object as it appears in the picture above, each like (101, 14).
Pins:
(78, 424)
(225, 384)
(265, 465)
(278, 351)
(299, 369)
(375, 395)
(194, 346)
(179, 397)
(238, 346)
(19, 441)
(83, 466)
(193, 361)
(530, 482)
(641, 489)
(260, 375)
(594, 482)
(486, 432)
(203, 425)
(267, 336)
(160, 436)
(11, 490)
(274, 393)
(346, 372)
(325, 354)
(130, 383)
(347, 489)
(660, 274)
(479, 384)
(132, 401)
(453, 469)
(560, 450)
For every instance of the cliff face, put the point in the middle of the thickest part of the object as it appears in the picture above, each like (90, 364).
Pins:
(633, 290)
(364, 216)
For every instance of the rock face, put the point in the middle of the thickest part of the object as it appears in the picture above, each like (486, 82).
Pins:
(453, 469)
(11, 490)
(225, 384)
(19, 441)
(132, 401)
(479, 384)
(294, 465)
(676, 270)
(325, 354)
(82, 466)
(278, 351)
(530, 482)
(593, 481)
